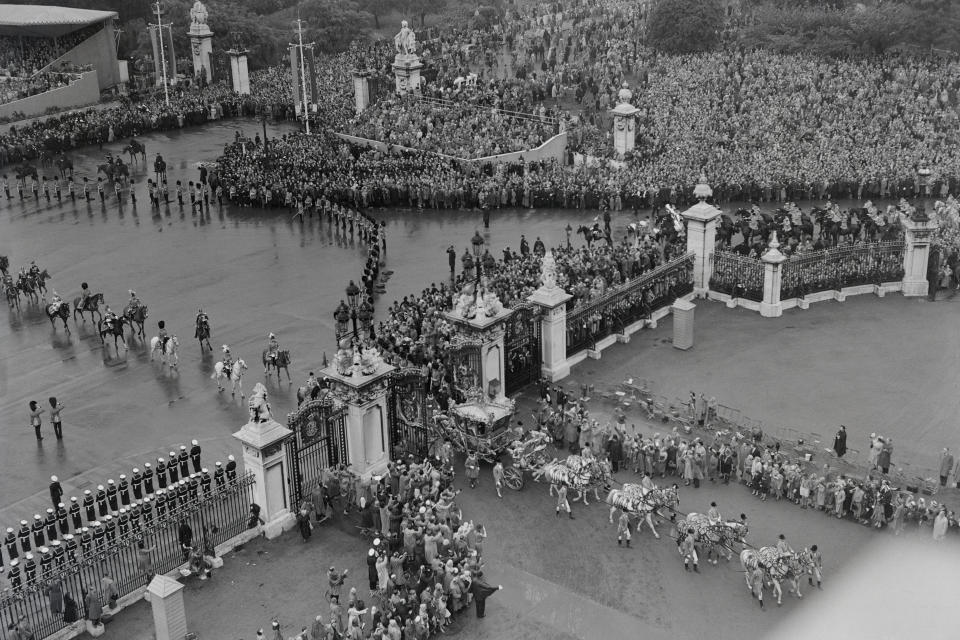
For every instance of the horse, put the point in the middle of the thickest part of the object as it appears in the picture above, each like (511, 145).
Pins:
(60, 310)
(234, 375)
(777, 568)
(202, 333)
(40, 279)
(634, 499)
(91, 304)
(170, 355)
(313, 393)
(25, 171)
(726, 230)
(27, 285)
(578, 473)
(136, 149)
(160, 168)
(136, 316)
(11, 292)
(712, 535)
(65, 165)
(280, 361)
(45, 157)
(114, 169)
(114, 328)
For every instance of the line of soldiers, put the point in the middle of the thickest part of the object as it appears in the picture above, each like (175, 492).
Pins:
(115, 511)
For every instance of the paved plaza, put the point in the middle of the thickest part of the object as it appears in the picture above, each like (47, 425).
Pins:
(876, 365)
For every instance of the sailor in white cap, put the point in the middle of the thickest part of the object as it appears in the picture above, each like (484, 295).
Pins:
(231, 468)
(195, 455)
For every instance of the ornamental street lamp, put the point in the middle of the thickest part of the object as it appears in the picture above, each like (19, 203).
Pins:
(477, 242)
(353, 299)
(342, 316)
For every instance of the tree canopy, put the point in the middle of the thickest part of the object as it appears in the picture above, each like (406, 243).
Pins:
(685, 26)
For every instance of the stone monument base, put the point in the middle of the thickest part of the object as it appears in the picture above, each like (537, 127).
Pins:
(406, 69)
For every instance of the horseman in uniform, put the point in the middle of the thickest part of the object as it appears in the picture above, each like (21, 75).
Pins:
(227, 360)
(134, 302)
(202, 321)
(55, 302)
(162, 335)
(34, 271)
(273, 349)
(109, 317)
(84, 294)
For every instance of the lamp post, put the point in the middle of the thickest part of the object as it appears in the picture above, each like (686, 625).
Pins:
(342, 316)
(353, 299)
(477, 243)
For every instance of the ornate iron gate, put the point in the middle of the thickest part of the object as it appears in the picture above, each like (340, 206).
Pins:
(319, 441)
(464, 358)
(522, 348)
(409, 414)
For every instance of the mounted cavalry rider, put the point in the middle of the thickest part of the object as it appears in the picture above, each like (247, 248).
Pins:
(227, 360)
(134, 302)
(202, 319)
(34, 270)
(162, 334)
(84, 294)
(273, 349)
(56, 301)
(109, 317)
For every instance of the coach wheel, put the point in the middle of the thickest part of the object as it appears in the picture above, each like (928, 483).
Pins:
(513, 478)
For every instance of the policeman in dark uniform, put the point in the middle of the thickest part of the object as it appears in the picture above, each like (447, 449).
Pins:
(70, 542)
(218, 476)
(123, 523)
(111, 526)
(112, 494)
(124, 490)
(56, 491)
(206, 482)
(101, 500)
(63, 519)
(231, 468)
(184, 459)
(59, 554)
(50, 523)
(147, 479)
(86, 541)
(195, 455)
(37, 529)
(136, 483)
(160, 503)
(10, 542)
(88, 506)
(173, 469)
(161, 473)
(99, 533)
(46, 563)
(24, 536)
(74, 511)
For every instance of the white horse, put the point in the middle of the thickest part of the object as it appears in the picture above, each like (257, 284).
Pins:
(170, 355)
(234, 375)
(577, 473)
(633, 498)
(776, 568)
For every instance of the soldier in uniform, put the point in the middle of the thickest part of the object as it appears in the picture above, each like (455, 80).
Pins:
(10, 542)
(88, 506)
(161, 473)
(74, 511)
(15, 582)
(123, 522)
(147, 479)
(63, 519)
(30, 569)
(70, 542)
(160, 503)
(183, 497)
(111, 525)
(172, 500)
(99, 534)
(146, 512)
(184, 459)
(101, 501)
(50, 523)
(24, 536)
(124, 490)
(173, 469)
(135, 518)
(218, 476)
(136, 482)
(231, 468)
(56, 491)
(193, 485)
(86, 541)
(37, 529)
(59, 554)
(205, 482)
(46, 563)
(195, 455)
(112, 494)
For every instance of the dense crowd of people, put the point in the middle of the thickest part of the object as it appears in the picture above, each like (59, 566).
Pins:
(425, 565)
(12, 89)
(25, 56)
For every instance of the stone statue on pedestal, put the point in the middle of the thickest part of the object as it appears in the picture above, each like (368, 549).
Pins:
(624, 96)
(198, 13)
(548, 271)
(406, 40)
(343, 361)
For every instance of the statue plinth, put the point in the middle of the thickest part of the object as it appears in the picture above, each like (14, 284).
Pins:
(624, 127)
(406, 70)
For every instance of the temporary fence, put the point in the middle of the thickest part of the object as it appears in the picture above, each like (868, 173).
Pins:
(737, 276)
(635, 300)
(219, 513)
(840, 267)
